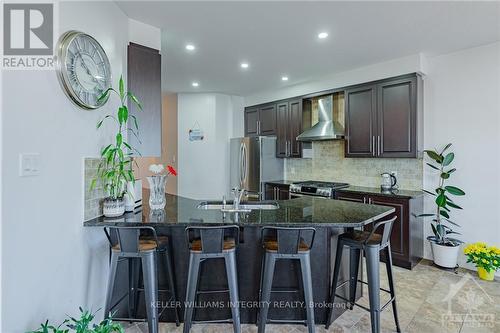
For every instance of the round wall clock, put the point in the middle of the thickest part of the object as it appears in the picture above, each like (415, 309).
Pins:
(83, 69)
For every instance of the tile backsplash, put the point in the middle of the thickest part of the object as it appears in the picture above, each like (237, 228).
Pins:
(329, 164)
(93, 199)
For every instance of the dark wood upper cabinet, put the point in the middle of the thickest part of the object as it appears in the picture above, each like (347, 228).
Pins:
(251, 121)
(381, 118)
(144, 81)
(360, 118)
(282, 129)
(267, 120)
(295, 127)
(288, 127)
(260, 120)
(397, 118)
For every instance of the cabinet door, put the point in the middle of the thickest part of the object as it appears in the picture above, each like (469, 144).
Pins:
(283, 192)
(144, 80)
(400, 243)
(295, 128)
(347, 196)
(397, 118)
(251, 121)
(270, 192)
(267, 120)
(360, 121)
(282, 129)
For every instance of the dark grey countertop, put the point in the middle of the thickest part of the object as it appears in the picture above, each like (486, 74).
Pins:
(280, 182)
(377, 191)
(305, 211)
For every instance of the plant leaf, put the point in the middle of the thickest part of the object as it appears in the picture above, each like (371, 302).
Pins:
(424, 215)
(119, 139)
(105, 150)
(434, 229)
(445, 148)
(435, 156)
(428, 192)
(451, 204)
(121, 87)
(445, 175)
(125, 113)
(432, 166)
(441, 200)
(454, 190)
(451, 171)
(104, 95)
(135, 122)
(135, 100)
(448, 159)
(451, 222)
(444, 213)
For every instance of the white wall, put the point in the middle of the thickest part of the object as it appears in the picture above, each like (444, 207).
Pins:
(204, 165)
(51, 264)
(144, 34)
(462, 106)
(405, 65)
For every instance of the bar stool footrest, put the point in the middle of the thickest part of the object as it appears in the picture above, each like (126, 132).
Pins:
(212, 291)
(364, 307)
(287, 321)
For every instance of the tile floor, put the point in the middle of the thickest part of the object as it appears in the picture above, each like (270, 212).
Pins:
(423, 306)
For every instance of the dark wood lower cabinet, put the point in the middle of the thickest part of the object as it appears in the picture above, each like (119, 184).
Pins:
(277, 191)
(407, 239)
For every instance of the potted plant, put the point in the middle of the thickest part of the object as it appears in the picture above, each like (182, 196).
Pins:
(81, 325)
(115, 167)
(444, 248)
(486, 258)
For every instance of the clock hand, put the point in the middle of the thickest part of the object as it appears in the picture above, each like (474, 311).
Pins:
(84, 65)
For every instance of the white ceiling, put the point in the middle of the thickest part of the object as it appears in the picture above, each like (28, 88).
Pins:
(278, 38)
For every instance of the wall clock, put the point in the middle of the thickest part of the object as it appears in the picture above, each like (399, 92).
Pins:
(83, 69)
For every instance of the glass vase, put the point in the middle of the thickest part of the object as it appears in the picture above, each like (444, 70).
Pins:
(157, 198)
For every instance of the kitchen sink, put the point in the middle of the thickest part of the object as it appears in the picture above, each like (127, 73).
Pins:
(243, 207)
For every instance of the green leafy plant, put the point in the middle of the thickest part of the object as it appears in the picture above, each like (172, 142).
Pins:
(115, 168)
(441, 162)
(82, 325)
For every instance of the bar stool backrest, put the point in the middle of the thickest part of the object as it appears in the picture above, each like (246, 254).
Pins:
(128, 237)
(212, 238)
(289, 239)
(386, 233)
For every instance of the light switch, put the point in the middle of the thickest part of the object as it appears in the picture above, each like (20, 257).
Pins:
(29, 164)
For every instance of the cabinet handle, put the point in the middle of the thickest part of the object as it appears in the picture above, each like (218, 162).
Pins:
(364, 200)
(378, 145)
(258, 126)
(373, 145)
(288, 148)
(275, 193)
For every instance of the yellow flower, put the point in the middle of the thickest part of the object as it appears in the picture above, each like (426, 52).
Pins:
(495, 262)
(484, 260)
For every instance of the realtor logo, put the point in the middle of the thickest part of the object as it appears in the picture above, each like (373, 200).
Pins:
(28, 29)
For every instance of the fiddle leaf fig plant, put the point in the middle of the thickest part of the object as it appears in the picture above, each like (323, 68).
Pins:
(443, 193)
(115, 168)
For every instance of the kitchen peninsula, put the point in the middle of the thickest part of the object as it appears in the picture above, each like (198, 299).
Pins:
(329, 217)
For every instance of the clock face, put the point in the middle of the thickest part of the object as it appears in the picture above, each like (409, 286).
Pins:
(83, 69)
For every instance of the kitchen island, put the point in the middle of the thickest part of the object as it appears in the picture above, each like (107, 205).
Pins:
(329, 217)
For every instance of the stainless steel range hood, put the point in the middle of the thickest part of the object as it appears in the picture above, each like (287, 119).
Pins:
(327, 128)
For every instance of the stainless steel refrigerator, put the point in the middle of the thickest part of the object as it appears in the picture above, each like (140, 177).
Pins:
(253, 161)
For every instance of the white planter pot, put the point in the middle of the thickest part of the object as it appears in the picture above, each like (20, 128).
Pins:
(445, 256)
(113, 207)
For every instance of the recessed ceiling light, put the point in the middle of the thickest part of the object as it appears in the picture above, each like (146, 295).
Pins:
(190, 47)
(284, 78)
(195, 84)
(322, 35)
(244, 65)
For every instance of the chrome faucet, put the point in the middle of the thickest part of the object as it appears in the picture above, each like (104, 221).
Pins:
(238, 194)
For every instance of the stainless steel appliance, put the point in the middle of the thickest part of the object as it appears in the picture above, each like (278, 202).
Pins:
(327, 128)
(389, 181)
(253, 162)
(315, 188)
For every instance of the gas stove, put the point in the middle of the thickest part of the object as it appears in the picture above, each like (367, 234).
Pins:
(315, 188)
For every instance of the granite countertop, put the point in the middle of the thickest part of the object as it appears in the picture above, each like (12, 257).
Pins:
(378, 191)
(304, 211)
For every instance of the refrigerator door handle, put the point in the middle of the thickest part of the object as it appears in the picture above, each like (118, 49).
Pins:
(241, 165)
(245, 164)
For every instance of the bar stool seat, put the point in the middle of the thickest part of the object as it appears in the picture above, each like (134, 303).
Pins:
(228, 245)
(144, 245)
(272, 245)
(356, 237)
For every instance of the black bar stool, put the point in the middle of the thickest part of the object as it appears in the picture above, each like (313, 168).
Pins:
(371, 243)
(212, 243)
(286, 243)
(127, 243)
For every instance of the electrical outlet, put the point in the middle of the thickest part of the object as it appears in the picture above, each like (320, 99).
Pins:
(29, 164)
